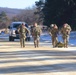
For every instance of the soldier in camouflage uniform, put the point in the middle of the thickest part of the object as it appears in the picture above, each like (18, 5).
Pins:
(53, 31)
(36, 31)
(65, 31)
(22, 31)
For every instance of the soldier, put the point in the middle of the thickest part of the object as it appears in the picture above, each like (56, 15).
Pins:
(22, 31)
(53, 32)
(65, 31)
(36, 31)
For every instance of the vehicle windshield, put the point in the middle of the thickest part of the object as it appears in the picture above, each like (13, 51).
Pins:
(16, 25)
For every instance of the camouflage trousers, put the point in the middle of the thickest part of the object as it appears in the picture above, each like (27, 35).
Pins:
(54, 41)
(36, 41)
(65, 40)
(22, 42)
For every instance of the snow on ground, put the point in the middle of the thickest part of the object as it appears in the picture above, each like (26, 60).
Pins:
(46, 38)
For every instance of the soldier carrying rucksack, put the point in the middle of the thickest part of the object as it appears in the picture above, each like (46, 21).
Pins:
(22, 31)
(53, 31)
(65, 31)
(36, 32)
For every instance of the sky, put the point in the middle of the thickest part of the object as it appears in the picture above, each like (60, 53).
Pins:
(20, 4)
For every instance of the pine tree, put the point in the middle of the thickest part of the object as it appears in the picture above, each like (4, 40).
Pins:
(60, 12)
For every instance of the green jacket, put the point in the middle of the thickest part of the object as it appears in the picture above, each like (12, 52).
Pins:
(22, 31)
(53, 32)
(36, 31)
(66, 31)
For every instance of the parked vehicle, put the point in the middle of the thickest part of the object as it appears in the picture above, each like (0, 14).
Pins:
(12, 31)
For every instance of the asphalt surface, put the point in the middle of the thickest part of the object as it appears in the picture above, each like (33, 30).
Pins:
(44, 60)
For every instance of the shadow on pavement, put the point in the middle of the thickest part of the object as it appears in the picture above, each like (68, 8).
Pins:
(45, 54)
(41, 69)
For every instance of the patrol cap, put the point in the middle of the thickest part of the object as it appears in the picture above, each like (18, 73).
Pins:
(23, 23)
(65, 24)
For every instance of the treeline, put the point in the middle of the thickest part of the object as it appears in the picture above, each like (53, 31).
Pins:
(6, 15)
(4, 20)
(58, 11)
(27, 15)
(45, 12)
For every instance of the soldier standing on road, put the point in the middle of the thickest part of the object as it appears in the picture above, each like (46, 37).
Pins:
(36, 31)
(22, 31)
(53, 31)
(65, 31)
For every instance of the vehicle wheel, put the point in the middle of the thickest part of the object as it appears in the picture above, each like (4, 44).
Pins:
(27, 39)
(11, 38)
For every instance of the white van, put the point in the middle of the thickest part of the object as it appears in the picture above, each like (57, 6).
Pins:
(12, 28)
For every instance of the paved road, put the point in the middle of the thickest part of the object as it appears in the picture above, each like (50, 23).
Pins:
(44, 60)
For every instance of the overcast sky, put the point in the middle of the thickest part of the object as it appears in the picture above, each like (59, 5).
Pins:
(20, 4)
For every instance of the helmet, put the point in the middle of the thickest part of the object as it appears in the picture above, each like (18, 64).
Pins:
(52, 25)
(65, 24)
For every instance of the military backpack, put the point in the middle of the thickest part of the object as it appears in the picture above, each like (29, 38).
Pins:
(36, 31)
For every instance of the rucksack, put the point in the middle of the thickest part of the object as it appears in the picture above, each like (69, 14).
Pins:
(59, 44)
(36, 31)
(22, 29)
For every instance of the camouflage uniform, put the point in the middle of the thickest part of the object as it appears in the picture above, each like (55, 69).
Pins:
(36, 31)
(53, 32)
(22, 31)
(65, 34)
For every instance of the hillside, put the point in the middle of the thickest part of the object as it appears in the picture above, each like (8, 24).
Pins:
(10, 12)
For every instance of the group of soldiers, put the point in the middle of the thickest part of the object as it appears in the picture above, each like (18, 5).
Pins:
(35, 32)
(53, 31)
(65, 31)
